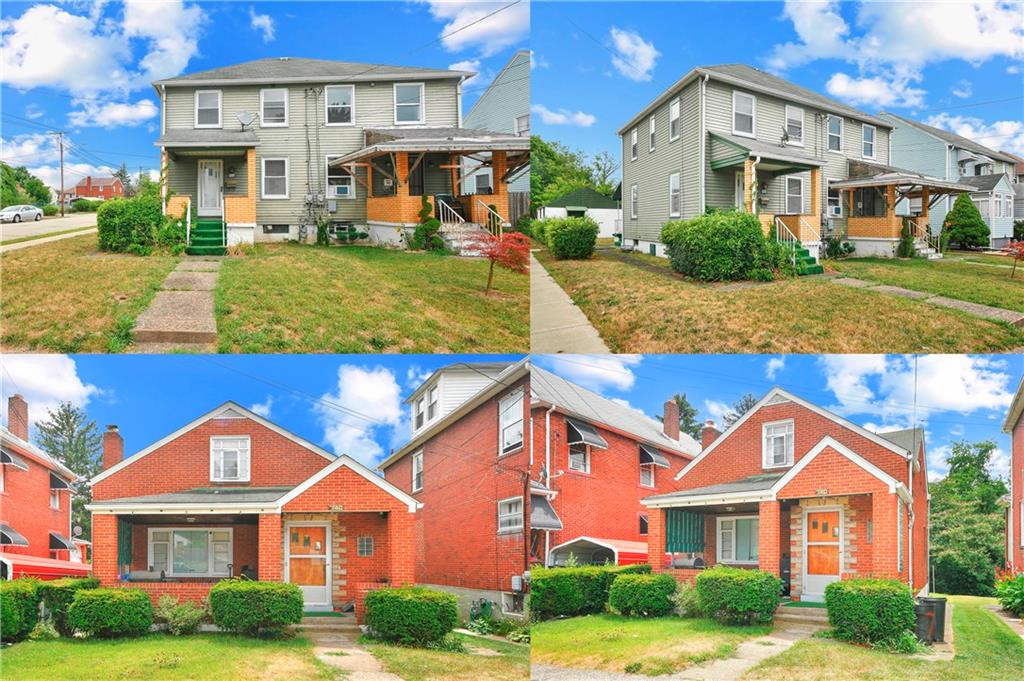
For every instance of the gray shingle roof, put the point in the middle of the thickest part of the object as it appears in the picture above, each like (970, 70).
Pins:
(188, 137)
(594, 408)
(905, 438)
(983, 182)
(954, 139)
(440, 133)
(586, 197)
(754, 483)
(771, 150)
(301, 69)
(219, 495)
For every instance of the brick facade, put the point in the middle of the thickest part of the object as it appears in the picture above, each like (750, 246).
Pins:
(99, 188)
(25, 506)
(1015, 555)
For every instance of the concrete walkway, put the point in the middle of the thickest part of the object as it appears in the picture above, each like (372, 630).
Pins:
(996, 314)
(336, 644)
(556, 324)
(45, 240)
(180, 318)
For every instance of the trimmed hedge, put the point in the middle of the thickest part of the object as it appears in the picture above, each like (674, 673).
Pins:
(571, 238)
(571, 591)
(129, 225)
(737, 596)
(19, 608)
(58, 594)
(642, 595)
(870, 610)
(411, 615)
(110, 613)
(50, 210)
(255, 608)
(722, 246)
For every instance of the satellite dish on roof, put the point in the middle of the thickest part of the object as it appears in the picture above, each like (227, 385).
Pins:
(245, 118)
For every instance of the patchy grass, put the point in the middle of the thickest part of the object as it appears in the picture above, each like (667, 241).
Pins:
(640, 305)
(974, 280)
(33, 237)
(354, 299)
(660, 645)
(160, 656)
(67, 296)
(985, 649)
(512, 663)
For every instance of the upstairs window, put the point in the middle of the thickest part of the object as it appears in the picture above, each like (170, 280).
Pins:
(229, 459)
(341, 104)
(778, 444)
(339, 181)
(417, 471)
(408, 103)
(673, 121)
(274, 108)
(510, 514)
(420, 413)
(795, 125)
(579, 457)
(744, 113)
(652, 125)
(647, 474)
(54, 499)
(869, 141)
(208, 108)
(510, 422)
(522, 125)
(673, 195)
(432, 410)
(632, 144)
(835, 134)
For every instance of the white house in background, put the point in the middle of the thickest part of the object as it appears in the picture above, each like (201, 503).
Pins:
(605, 211)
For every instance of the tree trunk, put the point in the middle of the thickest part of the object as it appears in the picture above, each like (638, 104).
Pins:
(490, 278)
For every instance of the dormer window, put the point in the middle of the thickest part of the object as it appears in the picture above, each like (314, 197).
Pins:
(432, 404)
(419, 412)
(778, 444)
(229, 459)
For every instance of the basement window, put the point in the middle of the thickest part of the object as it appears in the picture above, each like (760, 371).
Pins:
(275, 229)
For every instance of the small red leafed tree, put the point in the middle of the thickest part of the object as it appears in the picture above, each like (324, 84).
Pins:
(511, 250)
(1016, 251)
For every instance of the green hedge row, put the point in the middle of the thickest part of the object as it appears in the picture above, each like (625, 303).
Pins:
(723, 246)
(870, 610)
(411, 615)
(738, 596)
(642, 595)
(567, 238)
(19, 608)
(255, 608)
(57, 596)
(110, 613)
(571, 591)
(129, 225)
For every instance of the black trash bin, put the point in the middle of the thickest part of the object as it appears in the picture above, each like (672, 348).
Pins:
(938, 606)
(925, 622)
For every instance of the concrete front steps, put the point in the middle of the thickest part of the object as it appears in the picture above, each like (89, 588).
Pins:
(461, 240)
(927, 252)
(806, 264)
(206, 238)
(814, 618)
(336, 624)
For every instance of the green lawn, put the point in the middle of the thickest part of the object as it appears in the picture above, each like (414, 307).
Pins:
(985, 649)
(295, 298)
(647, 646)
(976, 280)
(641, 306)
(417, 664)
(160, 656)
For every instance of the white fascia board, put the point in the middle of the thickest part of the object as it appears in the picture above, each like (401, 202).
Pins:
(345, 460)
(710, 499)
(180, 508)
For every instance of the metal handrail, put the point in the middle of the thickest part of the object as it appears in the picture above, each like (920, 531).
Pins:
(788, 238)
(224, 220)
(447, 214)
(498, 223)
(188, 220)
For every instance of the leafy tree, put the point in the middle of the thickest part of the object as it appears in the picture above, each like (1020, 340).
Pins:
(964, 224)
(688, 422)
(1015, 250)
(967, 523)
(20, 186)
(126, 180)
(75, 441)
(739, 408)
(511, 250)
(555, 169)
(147, 187)
(604, 166)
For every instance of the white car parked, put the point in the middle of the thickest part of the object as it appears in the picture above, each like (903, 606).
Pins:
(20, 213)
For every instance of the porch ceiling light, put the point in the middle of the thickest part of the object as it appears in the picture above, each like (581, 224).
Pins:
(649, 455)
(581, 432)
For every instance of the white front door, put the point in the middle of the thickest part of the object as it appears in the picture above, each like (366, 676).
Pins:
(307, 562)
(739, 191)
(210, 182)
(823, 551)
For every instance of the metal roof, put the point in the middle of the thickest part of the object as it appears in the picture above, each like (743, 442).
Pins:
(204, 495)
(901, 178)
(40, 456)
(380, 141)
(755, 483)
(301, 69)
(954, 139)
(188, 137)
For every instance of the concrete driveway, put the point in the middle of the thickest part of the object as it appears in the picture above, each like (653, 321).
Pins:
(11, 230)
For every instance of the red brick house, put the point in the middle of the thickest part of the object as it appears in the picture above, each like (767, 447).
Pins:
(801, 492)
(599, 460)
(91, 187)
(232, 494)
(468, 462)
(1014, 425)
(35, 506)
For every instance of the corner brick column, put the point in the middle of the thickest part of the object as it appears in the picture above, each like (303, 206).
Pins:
(402, 547)
(816, 191)
(401, 170)
(890, 212)
(748, 186)
(104, 548)
(925, 198)
(499, 165)
(271, 548)
(883, 541)
(769, 553)
(656, 539)
(250, 180)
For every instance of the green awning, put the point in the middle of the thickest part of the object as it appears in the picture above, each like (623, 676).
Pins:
(684, 531)
(124, 544)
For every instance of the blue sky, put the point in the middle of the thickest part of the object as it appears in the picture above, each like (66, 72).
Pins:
(597, 64)
(85, 66)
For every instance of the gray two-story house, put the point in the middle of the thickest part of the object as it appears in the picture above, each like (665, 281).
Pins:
(265, 150)
(941, 153)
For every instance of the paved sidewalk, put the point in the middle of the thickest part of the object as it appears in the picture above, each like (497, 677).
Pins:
(44, 240)
(341, 651)
(180, 318)
(996, 314)
(556, 324)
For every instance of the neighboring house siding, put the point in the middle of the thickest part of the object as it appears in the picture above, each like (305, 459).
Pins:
(914, 149)
(507, 98)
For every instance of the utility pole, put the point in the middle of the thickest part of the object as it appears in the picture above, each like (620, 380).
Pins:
(60, 142)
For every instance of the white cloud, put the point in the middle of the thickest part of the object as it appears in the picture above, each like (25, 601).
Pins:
(171, 30)
(96, 114)
(634, 57)
(1013, 69)
(44, 381)
(625, 403)
(963, 89)
(372, 393)
(999, 464)
(538, 61)
(263, 408)
(821, 30)
(263, 23)
(717, 411)
(774, 366)
(597, 372)
(1008, 134)
(877, 91)
(73, 172)
(563, 116)
(32, 111)
(29, 149)
(482, 76)
(490, 35)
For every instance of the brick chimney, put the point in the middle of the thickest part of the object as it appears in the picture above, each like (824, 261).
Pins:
(17, 416)
(708, 434)
(113, 447)
(670, 422)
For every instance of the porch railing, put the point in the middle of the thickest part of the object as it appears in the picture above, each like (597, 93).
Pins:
(787, 239)
(922, 233)
(224, 221)
(813, 243)
(495, 223)
(188, 220)
(448, 215)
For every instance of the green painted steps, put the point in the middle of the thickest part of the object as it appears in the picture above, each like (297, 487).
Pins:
(805, 263)
(206, 238)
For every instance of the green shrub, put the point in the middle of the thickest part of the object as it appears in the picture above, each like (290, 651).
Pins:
(171, 232)
(411, 615)
(571, 238)
(836, 248)
(571, 591)
(519, 635)
(905, 246)
(58, 594)
(538, 229)
(255, 608)
(426, 237)
(19, 608)
(736, 596)
(109, 613)
(723, 246)
(642, 595)
(129, 225)
(426, 209)
(964, 224)
(523, 225)
(869, 610)
(43, 631)
(1010, 591)
(182, 618)
(686, 600)
(85, 205)
(50, 210)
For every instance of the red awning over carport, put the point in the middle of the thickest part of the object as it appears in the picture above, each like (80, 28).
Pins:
(42, 568)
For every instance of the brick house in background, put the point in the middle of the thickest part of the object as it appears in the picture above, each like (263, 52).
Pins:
(35, 507)
(91, 187)
(803, 493)
(1014, 425)
(231, 494)
(469, 464)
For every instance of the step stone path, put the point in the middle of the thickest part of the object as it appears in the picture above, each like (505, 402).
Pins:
(180, 318)
(996, 314)
(336, 644)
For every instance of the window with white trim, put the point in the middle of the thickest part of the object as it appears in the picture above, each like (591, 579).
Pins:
(2, 475)
(777, 439)
(417, 471)
(229, 458)
(340, 184)
(579, 457)
(634, 201)
(795, 125)
(834, 201)
(647, 474)
(340, 103)
(55, 499)
(835, 134)
(869, 140)
(673, 195)
(274, 108)
(522, 125)
(432, 409)
(644, 524)
(191, 552)
(208, 108)
(744, 113)
(364, 547)
(510, 514)
(738, 539)
(632, 144)
(652, 126)
(673, 121)
(275, 178)
(409, 104)
(794, 195)
(510, 422)
(420, 414)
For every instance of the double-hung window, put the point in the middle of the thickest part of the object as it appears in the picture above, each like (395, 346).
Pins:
(673, 121)
(510, 514)
(652, 125)
(432, 403)
(275, 178)
(647, 474)
(834, 202)
(522, 126)
(835, 134)
(191, 552)
(737, 539)
(579, 457)
(339, 181)
(643, 525)
(777, 444)
(794, 195)
(634, 202)
(744, 113)
(54, 499)
(340, 101)
(409, 104)
(274, 108)
(364, 547)
(510, 422)
(632, 144)
(869, 140)
(229, 458)
(795, 125)
(420, 414)
(673, 195)
(417, 471)
(208, 109)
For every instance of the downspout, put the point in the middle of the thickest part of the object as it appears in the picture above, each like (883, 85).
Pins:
(547, 473)
(703, 141)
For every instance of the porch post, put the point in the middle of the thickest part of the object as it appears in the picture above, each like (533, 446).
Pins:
(270, 554)
(499, 165)
(925, 199)
(883, 540)
(890, 210)
(401, 170)
(402, 548)
(768, 553)
(453, 161)
(104, 548)
(164, 172)
(656, 539)
(816, 191)
(748, 186)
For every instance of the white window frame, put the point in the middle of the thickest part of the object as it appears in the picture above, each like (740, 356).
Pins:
(634, 202)
(244, 465)
(829, 135)
(633, 137)
(507, 515)
(351, 180)
(521, 130)
(352, 115)
(674, 194)
(170, 549)
(863, 140)
(719, 520)
(514, 396)
(652, 129)
(419, 413)
(828, 190)
(220, 109)
(433, 402)
(787, 194)
(364, 546)
(586, 458)
(649, 469)
(766, 460)
(263, 177)
(673, 118)
(423, 104)
(3, 476)
(753, 114)
(55, 499)
(263, 118)
(417, 471)
(790, 110)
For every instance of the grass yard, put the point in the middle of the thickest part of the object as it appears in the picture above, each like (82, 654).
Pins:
(160, 656)
(640, 305)
(511, 663)
(975, 280)
(67, 296)
(654, 646)
(985, 649)
(295, 298)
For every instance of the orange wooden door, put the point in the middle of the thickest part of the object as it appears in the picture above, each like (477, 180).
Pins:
(823, 543)
(309, 563)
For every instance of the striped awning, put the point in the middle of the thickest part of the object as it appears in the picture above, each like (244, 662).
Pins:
(650, 455)
(9, 458)
(581, 432)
